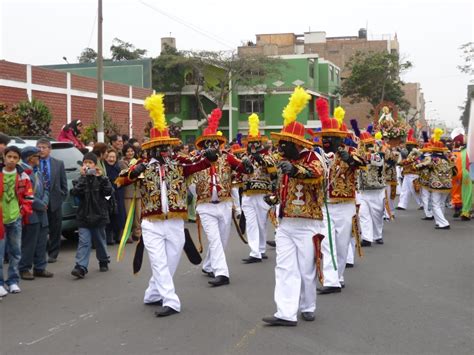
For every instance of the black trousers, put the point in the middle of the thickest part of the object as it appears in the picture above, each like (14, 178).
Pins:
(55, 220)
(33, 247)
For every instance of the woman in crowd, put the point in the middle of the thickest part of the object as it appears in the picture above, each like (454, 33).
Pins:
(71, 132)
(117, 212)
(100, 150)
(129, 157)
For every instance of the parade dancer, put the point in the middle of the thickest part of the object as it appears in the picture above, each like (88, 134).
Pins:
(256, 185)
(214, 200)
(392, 158)
(424, 175)
(410, 183)
(161, 181)
(441, 171)
(237, 178)
(372, 189)
(343, 164)
(300, 194)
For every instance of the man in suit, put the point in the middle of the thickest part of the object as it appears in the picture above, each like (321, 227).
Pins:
(54, 178)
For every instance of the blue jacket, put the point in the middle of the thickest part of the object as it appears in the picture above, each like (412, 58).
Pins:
(41, 198)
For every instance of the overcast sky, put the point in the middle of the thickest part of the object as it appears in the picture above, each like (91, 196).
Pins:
(429, 32)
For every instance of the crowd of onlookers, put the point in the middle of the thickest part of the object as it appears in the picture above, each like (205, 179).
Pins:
(33, 187)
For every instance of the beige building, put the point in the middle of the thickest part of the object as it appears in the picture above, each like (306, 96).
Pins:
(335, 49)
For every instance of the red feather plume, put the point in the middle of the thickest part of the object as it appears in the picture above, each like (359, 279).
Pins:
(213, 122)
(322, 108)
(410, 134)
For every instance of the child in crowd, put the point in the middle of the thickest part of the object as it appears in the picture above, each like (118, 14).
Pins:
(16, 194)
(93, 189)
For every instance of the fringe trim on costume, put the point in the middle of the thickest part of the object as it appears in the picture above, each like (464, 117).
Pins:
(341, 200)
(318, 256)
(356, 234)
(256, 192)
(198, 225)
(209, 199)
(169, 215)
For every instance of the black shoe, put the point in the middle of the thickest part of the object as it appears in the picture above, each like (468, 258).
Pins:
(208, 273)
(78, 272)
(308, 316)
(365, 243)
(400, 208)
(427, 218)
(343, 285)
(379, 241)
(325, 290)
(445, 227)
(456, 214)
(349, 265)
(251, 260)
(264, 256)
(156, 303)
(42, 273)
(271, 243)
(219, 281)
(465, 218)
(420, 208)
(274, 321)
(111, 243)
(166, 311)
(52, 260)
(103, 266)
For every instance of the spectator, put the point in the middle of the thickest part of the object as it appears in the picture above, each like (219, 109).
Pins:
(92, 190)
(17, 197)
(125, 139)
(117, 143)
(130, 158)
(34, 237)
(71, 132)
(100, 150)
(4, 140)
(54, 179)
(117, 217)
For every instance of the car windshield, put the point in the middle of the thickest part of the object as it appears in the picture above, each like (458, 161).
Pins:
(68, 154)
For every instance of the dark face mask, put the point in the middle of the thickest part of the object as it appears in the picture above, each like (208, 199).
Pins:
(254, 147)
(288, 150)
(331, 144)
(409, 148)
(211, 144)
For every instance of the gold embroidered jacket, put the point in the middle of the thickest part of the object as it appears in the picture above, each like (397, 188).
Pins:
(260, 180)
(438, 172)
(222, 171)
(302, 195)
(373, 177)
(392, 158)
(409, 163)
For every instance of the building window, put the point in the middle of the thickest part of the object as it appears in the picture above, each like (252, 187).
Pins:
(312, 115)
(172, 103)
(311, 68)
(337, 76)
(331, 71)
(251, 103)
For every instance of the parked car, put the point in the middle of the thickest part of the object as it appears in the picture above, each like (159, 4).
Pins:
(70, 155)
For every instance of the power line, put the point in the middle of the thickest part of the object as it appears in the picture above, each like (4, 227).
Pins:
(92, 31)
(189, 25)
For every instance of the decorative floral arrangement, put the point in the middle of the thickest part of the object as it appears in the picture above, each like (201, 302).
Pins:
(391, 127)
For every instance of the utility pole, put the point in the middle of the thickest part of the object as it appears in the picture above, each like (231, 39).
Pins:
(100, 76)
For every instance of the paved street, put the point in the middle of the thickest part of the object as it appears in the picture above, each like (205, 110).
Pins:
(413, 295)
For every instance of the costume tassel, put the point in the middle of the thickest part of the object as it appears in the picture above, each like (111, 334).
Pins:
(318, 256)
(127, 231)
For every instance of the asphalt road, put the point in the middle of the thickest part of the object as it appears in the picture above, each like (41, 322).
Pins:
(413, 295)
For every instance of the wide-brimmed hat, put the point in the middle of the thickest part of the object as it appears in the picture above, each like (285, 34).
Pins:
(211, 131)
(294, 131)
(159, 133)
(436, 145)
(410, 138)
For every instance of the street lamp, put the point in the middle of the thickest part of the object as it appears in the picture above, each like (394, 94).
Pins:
(65, 59)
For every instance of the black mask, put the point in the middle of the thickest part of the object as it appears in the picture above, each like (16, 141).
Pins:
(409, 148)
(288, 150)
(331, 144)
(254, 147)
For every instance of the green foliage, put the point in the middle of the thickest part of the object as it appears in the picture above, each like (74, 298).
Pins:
(88, 55)
(27, 118)
(89, 132)
(468, 56)
(122, 50)
(167, 72)
(375, 77)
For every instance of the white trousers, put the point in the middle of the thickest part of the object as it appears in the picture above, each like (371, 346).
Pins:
(408, 190)
(295, 271)
(371, 214)
(426, 199)
(351, 252)
(164, 241)
(256, 215)
(215, 220)
(234, 192)
(439, 205)
(341, 231)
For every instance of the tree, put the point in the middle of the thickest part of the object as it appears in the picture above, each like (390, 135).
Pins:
(89, 133)
(167, 71)
(122, 50)
(210, 72)
(27, 118)
(88, 55)
(375, 77)
(468, 56)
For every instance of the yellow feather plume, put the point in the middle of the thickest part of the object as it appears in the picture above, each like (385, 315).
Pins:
(437, 133)
(155, 106)
(378, 135)
(298, 100)
(339, 114)
(219, 133)
(253, 125)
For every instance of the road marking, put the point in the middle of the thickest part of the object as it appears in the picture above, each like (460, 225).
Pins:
(246, 337)
(60, 327)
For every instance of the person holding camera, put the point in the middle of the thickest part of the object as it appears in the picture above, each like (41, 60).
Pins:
(93, 189)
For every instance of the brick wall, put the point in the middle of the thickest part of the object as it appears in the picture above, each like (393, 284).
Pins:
(13, 89)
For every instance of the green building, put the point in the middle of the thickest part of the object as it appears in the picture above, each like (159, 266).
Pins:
(319, 77)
